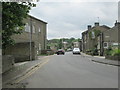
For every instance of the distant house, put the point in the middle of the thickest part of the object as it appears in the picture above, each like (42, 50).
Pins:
(65, 45)
(91, 38)
(76, 44)
(32, 41)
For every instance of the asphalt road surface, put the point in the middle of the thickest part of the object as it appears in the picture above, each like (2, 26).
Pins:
(71, 71)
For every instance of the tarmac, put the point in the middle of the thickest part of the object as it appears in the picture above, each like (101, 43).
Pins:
(22, 68)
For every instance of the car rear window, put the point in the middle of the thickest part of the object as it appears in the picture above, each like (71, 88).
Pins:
(76, 48)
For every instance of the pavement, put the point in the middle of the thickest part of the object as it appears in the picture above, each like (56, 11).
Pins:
(101, 59)
(20, 69)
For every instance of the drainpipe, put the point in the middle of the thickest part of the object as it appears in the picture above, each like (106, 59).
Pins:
(30, 39)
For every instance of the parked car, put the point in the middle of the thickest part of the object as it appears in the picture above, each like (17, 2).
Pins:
(60, 51)
(76, 51)
(68, 50)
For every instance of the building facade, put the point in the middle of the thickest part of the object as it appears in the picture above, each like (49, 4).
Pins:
(111, 37)
(93, 38)
(32, 41)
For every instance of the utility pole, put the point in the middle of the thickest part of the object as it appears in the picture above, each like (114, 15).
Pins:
(31, 39)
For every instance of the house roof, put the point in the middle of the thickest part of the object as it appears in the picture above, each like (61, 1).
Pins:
(37, 19)
(105, 26)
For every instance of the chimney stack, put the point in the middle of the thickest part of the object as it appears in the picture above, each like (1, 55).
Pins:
(117, 23)
(96, 23)
(89, 27)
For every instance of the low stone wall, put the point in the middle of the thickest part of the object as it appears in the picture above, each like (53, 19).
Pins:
(48, 52)
(21, 51)
(112, 57)
(21, 58)
(7, 63)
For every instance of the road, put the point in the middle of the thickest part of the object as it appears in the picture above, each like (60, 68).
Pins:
(71, 71)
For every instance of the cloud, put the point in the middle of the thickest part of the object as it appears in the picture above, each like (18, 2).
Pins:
(69, 19)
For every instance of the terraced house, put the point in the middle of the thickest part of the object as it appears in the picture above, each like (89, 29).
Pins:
(111, 36)
(99, 38)
(31, 42)
(112, 42)
(92, 39)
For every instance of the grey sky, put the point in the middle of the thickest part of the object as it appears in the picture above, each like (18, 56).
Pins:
(70, 19)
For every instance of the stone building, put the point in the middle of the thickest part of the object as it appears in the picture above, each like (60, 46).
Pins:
(90, 39)
(111, 36)
(76, 44)
(31, 42)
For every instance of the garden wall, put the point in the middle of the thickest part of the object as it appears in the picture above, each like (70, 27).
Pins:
(112, 57)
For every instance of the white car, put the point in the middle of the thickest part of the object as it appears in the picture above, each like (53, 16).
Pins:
(76, 51)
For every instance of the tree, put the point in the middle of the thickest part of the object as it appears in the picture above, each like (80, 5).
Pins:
(60, 44)
(13, 14)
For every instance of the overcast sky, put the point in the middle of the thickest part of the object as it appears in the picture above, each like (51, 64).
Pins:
(68, 19)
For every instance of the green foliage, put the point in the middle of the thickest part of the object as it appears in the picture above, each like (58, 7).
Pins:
(116, 52)
(96, 32)
(13, 14)
(93, 51)
(112, 52)
(58, 42)
(60, 45)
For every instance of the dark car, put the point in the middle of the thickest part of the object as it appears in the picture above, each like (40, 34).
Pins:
(60, 51)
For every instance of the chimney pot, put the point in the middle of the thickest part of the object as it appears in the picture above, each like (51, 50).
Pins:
(89, 27)
(96, 23)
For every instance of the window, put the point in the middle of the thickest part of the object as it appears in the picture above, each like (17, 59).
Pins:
(33, 29)
(105, 44)
(27, 27)
(37, 52)
(39, 46)
(93, 34)
(39, 29)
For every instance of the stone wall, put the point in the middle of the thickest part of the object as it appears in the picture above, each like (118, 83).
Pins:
(0, 64)
(112, 57)
(7, 62)
(21, 51)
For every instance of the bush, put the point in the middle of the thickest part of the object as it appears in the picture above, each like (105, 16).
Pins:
(93, 51)
(116, 52)
(112, 52)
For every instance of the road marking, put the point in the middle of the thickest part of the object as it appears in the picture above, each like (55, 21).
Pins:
(31, 72)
